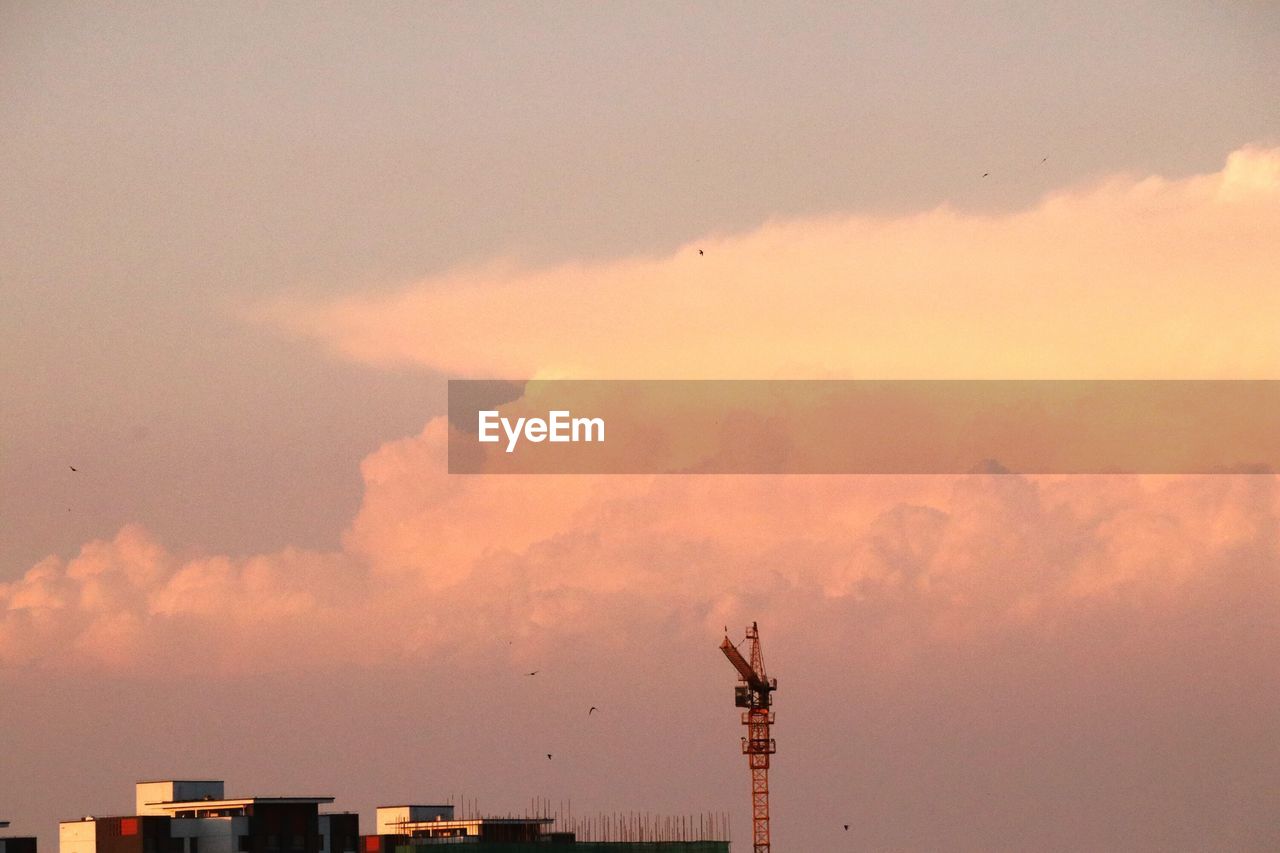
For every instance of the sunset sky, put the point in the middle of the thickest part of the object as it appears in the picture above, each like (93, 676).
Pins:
(245, 245)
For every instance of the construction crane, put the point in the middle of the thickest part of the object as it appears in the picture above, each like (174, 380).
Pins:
(755, 693)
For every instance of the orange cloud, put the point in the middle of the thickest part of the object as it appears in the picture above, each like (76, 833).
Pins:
(435, 564)
(1130, 278)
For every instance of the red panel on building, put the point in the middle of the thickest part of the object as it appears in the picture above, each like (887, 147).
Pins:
(128, 826)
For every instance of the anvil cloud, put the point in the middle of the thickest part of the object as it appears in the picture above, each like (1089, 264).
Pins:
(1131, 277)
(1127, 278)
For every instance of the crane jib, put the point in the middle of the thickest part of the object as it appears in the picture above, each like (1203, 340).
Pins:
(739, 662)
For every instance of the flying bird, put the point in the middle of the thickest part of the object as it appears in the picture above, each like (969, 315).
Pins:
(592, 710)
(535, 672)
(699, 251)
(548, 756)
(984, 174)
(72, 467)
(846, 827)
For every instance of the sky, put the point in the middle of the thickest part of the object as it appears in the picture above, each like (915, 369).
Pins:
(245, 246)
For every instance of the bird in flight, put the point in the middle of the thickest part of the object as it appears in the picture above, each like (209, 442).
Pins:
(846, 827)
(548, 756)
(699, 251)
(592, 710)
(984, 174)
(72, 467)
(535, 672)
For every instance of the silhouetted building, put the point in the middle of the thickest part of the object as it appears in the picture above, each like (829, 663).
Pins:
(339, 832)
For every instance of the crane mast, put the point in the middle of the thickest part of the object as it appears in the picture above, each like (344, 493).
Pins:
(755, 694)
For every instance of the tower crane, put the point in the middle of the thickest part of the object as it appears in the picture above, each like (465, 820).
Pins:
(755, 693)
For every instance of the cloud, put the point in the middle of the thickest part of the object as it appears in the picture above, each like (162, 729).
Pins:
(1129, 278)
(435, 564)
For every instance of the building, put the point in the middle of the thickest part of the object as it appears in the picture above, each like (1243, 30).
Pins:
(16, 843)
(393, 820)
(195, 816)
(422, 828)
(339, 832)
(400, 826)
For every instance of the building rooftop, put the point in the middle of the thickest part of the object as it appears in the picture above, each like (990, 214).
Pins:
(417, 806)
(472, 821)
(186, 805)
